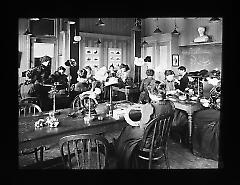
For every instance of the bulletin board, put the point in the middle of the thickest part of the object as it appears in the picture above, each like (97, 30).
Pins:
(114, 57)
(92, 56)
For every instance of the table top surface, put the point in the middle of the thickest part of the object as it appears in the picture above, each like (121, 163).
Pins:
(28, 132)
(187, 105)
(125, 89)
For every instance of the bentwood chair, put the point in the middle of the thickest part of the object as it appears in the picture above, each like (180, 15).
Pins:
(26, 109)
(154, 143)
(85, 151)
(76, 103)
(34, 100)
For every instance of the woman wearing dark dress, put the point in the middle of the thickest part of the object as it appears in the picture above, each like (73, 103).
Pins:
(206, 122)
(127, 143)
(144, 97)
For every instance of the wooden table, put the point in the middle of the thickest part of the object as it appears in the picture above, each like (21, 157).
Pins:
(190, 108)
(29, 137)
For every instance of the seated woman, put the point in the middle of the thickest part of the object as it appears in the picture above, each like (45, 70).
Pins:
(86, 83)
(206, 122)
(59, 77)
(37, 77)
(81, 84)
(169, 81)
(124, 76)
(126, 144)
(111, 72)
(144, 97)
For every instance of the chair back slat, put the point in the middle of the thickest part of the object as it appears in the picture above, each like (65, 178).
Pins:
(98, 155)
(28, 109)
(87, 151)
(76, 102)
(34, 100)
(69, 157)
(155, 137)
(76, 153)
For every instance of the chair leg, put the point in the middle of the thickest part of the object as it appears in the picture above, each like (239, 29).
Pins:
(41, 153)
(36, 154)
(40, 158)
(166, 159)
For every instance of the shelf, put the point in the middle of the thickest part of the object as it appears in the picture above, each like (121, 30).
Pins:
(202, 43)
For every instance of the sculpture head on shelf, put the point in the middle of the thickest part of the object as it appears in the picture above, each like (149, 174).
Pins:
(201, 37)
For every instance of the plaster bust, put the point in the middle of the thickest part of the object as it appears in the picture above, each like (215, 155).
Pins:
(202, 37)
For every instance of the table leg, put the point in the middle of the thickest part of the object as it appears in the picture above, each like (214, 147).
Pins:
(126, 93)
(190, 128)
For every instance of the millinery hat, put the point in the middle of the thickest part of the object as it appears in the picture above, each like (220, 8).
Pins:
(139, 114)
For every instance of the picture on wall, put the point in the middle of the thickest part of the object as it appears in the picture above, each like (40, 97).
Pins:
(114, 56)
(92, 56)
(175, 60)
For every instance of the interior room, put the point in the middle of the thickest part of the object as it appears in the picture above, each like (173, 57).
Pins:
(119, 93)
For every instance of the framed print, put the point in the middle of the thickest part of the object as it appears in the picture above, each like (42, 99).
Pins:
(114, 56)
(175, 60)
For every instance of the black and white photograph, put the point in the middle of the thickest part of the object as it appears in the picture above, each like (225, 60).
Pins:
(83, 103)
(175, 60)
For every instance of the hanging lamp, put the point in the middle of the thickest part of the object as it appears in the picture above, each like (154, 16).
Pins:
(71, 21)
(100, 22)
(214, 20)
(157, 30)
(99, 42)
(27, 32)
(137, 25)
(76, 37)
(175, 32)
(144, 43)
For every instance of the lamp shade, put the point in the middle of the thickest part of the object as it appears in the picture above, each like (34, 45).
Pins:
(100, 23)
(214, 20)
(137, 28)
(99, 41)
(71, 22)
(157, 30)
(175, 32)
(27, 32)
(144, 42)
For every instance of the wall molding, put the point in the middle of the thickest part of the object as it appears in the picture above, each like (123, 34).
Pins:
(104, 36)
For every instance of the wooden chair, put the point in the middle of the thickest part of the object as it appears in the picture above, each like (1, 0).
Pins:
(76, 103)
(154, 143)
(34, 100)
(26, 109)
(84, 151)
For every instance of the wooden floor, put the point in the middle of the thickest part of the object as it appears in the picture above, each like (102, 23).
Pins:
(180, 157)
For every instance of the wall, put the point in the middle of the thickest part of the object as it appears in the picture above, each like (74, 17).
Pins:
(186, 26)
(61, 49)
(24, 47)
(108, 41)
(113, 26)
(194, 57)
(198, 57)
